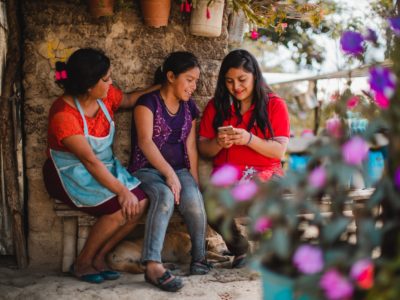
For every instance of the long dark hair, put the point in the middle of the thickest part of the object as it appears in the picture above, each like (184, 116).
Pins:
(222, 98)
(82, 71)
(177, 62)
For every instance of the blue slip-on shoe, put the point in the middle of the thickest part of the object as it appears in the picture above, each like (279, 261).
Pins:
(91, 278)
(110, 275)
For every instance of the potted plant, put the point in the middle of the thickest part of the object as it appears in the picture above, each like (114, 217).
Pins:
(308, 247)
(100, 8)
(155, 12)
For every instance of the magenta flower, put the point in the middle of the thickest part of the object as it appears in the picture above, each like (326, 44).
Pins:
(382, 81)
(355, 150)
(244, 191)
(381, 100)
(262, 224)
(254, 34)
(363, 273)
(395, 25)
(352, 43)
(371, 36)
(352, 102)
(397, 178)
(317, 177)
(335, 286)
(334, 127)
(225, 175)
(308, 259)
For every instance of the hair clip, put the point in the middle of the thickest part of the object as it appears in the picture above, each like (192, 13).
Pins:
(61, 75)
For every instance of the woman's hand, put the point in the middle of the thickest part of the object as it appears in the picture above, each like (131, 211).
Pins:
(240, 137)
(224, 140)
(129, 204)
(175, 185)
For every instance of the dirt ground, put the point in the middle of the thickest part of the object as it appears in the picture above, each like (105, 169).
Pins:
(220, 284)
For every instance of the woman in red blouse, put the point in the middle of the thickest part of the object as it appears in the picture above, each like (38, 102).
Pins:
(81, 169)
(260, 133)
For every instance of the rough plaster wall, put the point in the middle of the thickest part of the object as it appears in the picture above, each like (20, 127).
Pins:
(54, 29)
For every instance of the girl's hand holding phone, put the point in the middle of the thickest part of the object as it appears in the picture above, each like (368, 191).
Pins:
(224, 136)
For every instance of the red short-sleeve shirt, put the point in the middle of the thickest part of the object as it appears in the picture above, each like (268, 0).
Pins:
(243, 156)
(65, 120)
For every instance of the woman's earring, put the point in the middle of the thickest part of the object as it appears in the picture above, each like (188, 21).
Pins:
(89, 90)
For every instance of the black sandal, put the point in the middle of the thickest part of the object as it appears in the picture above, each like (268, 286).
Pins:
(173, 285)
(200, 267)
(239, 261)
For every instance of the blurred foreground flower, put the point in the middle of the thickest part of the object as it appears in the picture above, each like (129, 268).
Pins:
(382, 81)
(363, 273)
(395, 25)
(397, 178)
(225, 175)
(308, 259)
(244, 191)
(355, 150)
(262, 225)
(317, 177)
(352, 43)
(334, 127)
(371, 36)
(382, 101)
(335, 286)
(352, 102)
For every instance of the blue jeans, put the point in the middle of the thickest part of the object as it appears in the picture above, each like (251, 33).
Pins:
(162, 204)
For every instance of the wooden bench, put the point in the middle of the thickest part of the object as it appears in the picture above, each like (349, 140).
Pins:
(77, 224)
(76, 227)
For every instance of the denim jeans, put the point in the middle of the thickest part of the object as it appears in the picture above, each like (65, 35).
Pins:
(162, 204)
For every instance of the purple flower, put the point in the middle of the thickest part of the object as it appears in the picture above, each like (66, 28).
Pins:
(262, 224)
(382, 81)
(397, 178)
(225, 175)
(308, 259)
(355, 150)
(335, 286)
(352, 43)
(371, 36)
(317, 177)
(244, 190)
(395, 25)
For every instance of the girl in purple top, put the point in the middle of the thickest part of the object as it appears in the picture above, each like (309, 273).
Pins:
(164, 158)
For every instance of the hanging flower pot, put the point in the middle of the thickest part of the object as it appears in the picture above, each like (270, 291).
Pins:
(207, 20)
(155, 12)
(101, 8)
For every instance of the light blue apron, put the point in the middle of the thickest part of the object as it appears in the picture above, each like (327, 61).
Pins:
(83, 189)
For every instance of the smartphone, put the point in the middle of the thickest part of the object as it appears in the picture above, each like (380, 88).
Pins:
(226, 129)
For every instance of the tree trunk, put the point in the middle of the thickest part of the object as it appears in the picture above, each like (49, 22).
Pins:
(12, 80)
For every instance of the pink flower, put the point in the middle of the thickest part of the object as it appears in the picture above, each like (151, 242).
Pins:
(308, 259)
(284, 25)
(317, 177)
(352, 102)
(254, 34)
(244, 191)
(355, 150)
(397, 178)
(225, 175)
(262, 224)
(363, 273)
(381, 100)
(334, 127)
(335, 286)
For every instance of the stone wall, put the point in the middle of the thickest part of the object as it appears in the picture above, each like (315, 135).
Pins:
(53, 30)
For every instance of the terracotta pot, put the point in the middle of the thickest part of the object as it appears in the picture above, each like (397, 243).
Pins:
(203, 26)
(156, 12)
(101, 8)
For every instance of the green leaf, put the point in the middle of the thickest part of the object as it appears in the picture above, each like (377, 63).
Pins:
(333, 230)
(281, 243)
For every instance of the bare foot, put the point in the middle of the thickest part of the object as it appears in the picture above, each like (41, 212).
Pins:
(80, 269)
(100, 264)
